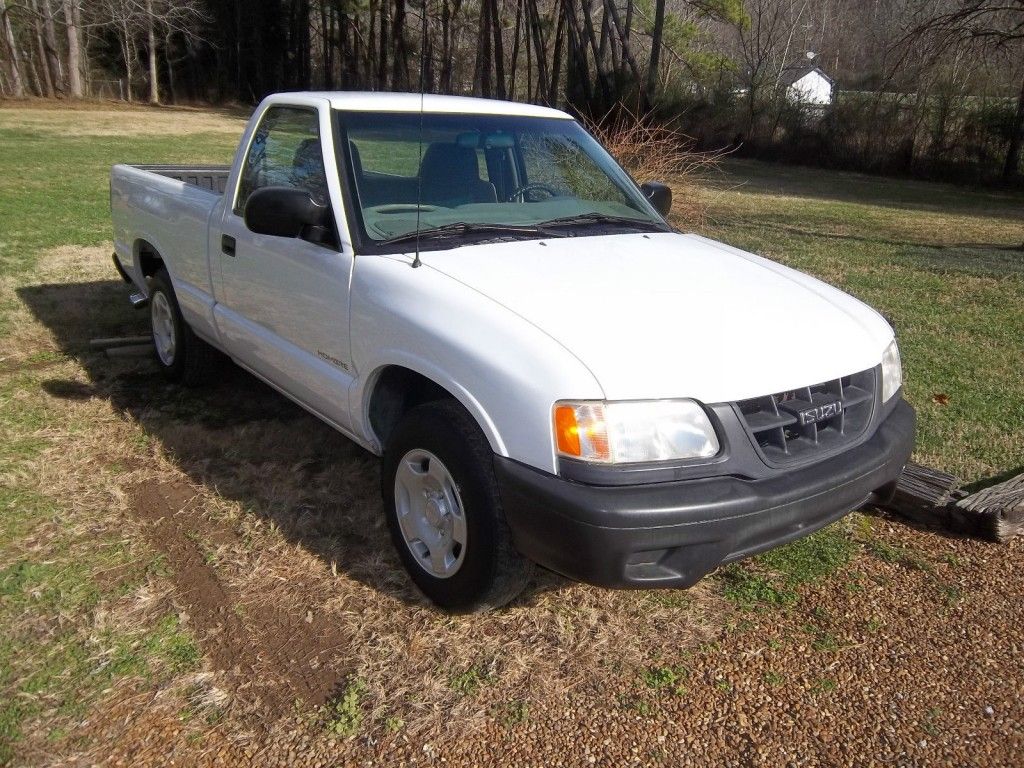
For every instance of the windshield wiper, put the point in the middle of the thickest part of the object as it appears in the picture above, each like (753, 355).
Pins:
(607, 219)
(461, 228)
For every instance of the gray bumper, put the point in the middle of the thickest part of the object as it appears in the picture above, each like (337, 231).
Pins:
(672, 534)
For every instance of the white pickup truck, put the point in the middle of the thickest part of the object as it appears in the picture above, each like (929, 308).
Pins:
(475, 291)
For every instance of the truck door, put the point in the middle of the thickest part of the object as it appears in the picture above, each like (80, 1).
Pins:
(284, 308)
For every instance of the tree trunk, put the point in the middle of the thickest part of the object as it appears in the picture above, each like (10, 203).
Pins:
(400, 65)
(427, 79)
(72, 27)
(128, 50)
(602, 76)
(623, 33)
(169, 63)
(656, 35)
(14, 63)
(154, 75)
(47, 81)
(52, 51)
(445, 82)
(35, 81)
(327, 44)
(499, 51)
(382, 48)
(538, 42)
(1012, 164)
(556, 58)
(482, 67)
(514, 61)
(577, 76)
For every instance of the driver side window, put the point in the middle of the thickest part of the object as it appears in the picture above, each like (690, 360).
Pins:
(285, 152)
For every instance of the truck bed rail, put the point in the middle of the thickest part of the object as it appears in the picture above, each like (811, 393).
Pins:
(212, 178)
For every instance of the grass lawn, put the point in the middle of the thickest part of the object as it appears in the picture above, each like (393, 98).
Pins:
(944, 263)
(280, 515)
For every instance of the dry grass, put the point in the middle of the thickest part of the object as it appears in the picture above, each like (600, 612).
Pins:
(286, 514)
(103, 120)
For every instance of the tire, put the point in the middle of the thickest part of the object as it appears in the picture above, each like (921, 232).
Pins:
(483, 570)
(182, 356)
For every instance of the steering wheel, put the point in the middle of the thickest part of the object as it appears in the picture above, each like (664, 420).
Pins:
(521, 192)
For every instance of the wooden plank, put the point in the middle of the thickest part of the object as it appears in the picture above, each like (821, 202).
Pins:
(127, 341)
(922, 491)
(932, 497)
(999, 509)
(136, 350)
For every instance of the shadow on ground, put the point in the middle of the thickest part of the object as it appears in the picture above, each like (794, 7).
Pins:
(237, 437)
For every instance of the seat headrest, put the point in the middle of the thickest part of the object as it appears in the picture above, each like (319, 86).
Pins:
(444, 161)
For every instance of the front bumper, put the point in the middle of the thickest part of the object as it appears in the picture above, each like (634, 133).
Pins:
(672, 534)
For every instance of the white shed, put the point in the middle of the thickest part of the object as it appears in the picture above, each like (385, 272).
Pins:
(808, 85)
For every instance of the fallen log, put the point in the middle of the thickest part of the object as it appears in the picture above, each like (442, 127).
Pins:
(126, 341)
(999, 509)
(135, 350)
(921, 487)
(929, 496)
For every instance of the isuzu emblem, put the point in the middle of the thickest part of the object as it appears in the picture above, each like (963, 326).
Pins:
(821, 412)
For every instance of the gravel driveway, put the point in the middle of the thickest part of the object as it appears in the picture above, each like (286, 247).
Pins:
(911, 655)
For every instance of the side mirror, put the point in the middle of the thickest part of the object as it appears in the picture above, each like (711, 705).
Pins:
(659, 195)
(283, 212)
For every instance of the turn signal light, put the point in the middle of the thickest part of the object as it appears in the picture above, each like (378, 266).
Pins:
(567, 430)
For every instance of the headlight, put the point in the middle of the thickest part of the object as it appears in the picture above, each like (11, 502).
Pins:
(630, 431)
(892, 371)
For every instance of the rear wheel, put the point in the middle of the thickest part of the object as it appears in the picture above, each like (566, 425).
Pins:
(181, 355)
(444, 511)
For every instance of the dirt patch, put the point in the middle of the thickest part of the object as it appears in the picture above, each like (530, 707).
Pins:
(271, 656)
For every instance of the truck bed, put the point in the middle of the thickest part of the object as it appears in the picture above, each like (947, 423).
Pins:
(212, 178)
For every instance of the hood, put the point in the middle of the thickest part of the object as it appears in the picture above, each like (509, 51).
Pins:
(667, 315)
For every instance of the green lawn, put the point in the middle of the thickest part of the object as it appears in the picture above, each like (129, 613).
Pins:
(945, 263)
(54, 189)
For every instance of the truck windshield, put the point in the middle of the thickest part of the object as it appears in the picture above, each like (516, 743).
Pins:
(477, 177)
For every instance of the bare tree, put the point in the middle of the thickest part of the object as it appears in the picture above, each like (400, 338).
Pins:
(657, 34)
(994, 27)
(155, 22)
(14, 62)
(766, 42)
(72, 26)
(52, 62)
(47, 79)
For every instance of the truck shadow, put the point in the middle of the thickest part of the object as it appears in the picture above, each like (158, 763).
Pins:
(237, 437)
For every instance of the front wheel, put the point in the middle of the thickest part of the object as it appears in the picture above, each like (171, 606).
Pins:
(444, 511)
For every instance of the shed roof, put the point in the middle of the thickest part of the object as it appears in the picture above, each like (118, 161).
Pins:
(791, 74)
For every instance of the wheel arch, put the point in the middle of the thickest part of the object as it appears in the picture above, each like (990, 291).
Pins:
(392, 389)
(147, 257)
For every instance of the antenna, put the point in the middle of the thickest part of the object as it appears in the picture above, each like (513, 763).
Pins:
(419, 173)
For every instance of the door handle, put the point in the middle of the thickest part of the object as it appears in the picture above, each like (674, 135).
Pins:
(227, 244)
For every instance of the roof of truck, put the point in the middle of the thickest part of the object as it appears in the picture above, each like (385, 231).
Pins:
(368, 101)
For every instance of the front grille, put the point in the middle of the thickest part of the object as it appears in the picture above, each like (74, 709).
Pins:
(811, 421)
